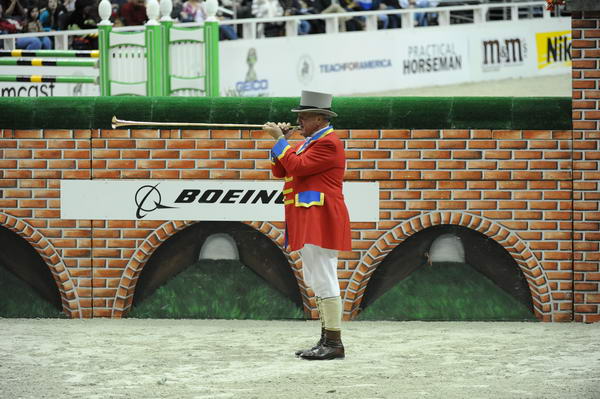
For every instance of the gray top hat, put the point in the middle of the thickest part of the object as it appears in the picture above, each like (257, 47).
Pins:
(313, 101)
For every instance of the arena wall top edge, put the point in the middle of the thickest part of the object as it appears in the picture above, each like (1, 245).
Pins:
(527, 113)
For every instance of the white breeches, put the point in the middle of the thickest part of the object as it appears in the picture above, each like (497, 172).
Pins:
(320, 270)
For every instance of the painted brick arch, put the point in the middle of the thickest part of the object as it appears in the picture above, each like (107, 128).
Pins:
(61, 275)
(516, 247)
(127, 284)
(126, 288)
(276, 232)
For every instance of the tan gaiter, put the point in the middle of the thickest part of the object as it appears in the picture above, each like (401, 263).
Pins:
(332, 313)
(320, 309)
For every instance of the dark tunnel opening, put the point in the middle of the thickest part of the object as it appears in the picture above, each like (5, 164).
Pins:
(482, 253)
(20, 259)
(256, 251)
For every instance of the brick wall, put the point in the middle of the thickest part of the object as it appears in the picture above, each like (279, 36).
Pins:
(534, 192)
(586, 176)
(513, 186)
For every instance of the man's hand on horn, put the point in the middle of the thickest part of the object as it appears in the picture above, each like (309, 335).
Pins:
(277, 130)
(286, 128)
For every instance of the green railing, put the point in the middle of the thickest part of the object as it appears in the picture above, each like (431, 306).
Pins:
(156, 48)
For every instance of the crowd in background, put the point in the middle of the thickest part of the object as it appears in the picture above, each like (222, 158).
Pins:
(22, 16)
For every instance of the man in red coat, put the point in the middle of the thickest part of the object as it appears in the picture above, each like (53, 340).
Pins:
(317, 222)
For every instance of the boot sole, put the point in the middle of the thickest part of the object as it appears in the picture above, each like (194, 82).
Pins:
(323, 358)
(299, 353)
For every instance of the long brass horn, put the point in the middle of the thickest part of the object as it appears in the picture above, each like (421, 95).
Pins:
(116, 123)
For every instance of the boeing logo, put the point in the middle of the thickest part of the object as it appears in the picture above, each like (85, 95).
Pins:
(148, 199)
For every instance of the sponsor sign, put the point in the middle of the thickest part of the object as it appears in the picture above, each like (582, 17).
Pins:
(388, 59)
(253, 83)
(305, 69)
(355, 65)
(503, 52)
(553, 49)
(224, 200)
(432, 58)
(19, 89)
(393, 59)
(23, 89)
(26, 89)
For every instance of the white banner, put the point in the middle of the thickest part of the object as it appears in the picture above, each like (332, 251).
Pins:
(353, 63)
(516, 50)
(228, 200)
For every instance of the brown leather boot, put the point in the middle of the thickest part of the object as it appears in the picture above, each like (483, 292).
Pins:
(332, 348)
(319, 343)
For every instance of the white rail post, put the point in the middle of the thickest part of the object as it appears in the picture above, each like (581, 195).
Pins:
(61, 41)
(291, 27)
(546, 13)
(332, 25)
(249, 30)
(408, 20)
(514, 13)
(371, 22)
(444, 17)
(10, 44)
(479, 15)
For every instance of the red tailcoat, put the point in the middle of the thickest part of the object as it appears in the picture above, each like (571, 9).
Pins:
(315, 211)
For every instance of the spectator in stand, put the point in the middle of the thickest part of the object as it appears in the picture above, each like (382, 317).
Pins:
(332, 7)
(242, 8)
(14, 9)
(85, 16)
(424, 18)
(34, 26)
(115, 16)
(15, 19)
(298, 7)
(121, 3)
(367, 5)
(268, 9)
(394, 19)
(53, 17)
(8, 25)
(133, 13)
(69, 5)
(176, 10)
(195, 11)
(227, 32)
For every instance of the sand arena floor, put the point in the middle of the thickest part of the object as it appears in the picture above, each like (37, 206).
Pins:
(136, 358)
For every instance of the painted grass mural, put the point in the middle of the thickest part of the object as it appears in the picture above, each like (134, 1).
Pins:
(17, 299)
(446, 291)
(217, 289)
